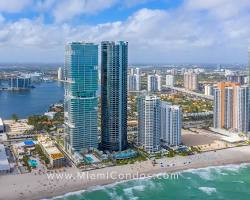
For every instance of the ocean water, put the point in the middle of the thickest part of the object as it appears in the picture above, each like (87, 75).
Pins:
(30, 102)
(231, 182)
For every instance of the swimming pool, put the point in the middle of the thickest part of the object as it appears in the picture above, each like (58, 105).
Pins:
(32, 163)
(90, 158)
(125, 154)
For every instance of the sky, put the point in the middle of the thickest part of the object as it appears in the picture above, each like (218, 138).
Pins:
(158, 31)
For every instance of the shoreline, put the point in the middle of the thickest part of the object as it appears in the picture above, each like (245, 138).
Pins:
(30, 186)
(97, 187)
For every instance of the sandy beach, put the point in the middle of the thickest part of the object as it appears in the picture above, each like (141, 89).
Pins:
(34, 186)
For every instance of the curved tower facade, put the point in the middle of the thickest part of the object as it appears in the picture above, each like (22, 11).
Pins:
(81, 102)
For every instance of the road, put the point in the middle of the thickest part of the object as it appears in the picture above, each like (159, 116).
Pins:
(193, 93)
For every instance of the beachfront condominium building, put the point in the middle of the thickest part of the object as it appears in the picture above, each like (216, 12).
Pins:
(81, 102)
(171, 124)
(134, 80)
(231, 107)
(154, 83)
(169, 80)
(241, 122)
(114, 64)
(149, 126)
(190, 81)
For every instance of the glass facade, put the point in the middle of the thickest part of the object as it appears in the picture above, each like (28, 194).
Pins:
(114, 66)
(81, 102)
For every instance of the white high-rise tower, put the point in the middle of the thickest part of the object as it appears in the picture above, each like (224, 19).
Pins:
(149, 130)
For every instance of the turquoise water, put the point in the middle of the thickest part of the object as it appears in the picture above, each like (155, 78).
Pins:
(32, 163)
(89, 159)
(230, 182)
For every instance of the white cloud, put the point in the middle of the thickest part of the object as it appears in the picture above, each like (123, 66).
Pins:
(45, 5)
(14, 6)
(178, 35)
(223, 9)
(67, 9)
(26, 33)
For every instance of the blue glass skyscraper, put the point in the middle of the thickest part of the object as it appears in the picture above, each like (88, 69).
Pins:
(81, 102)
(114, 64)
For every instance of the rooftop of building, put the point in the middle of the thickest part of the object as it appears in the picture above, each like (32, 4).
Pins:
(151, 97)
(50, 147)
(16, 128)
(175, 107)
(222, 85)
(81, 43)
(4, 163)
(114, 42)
